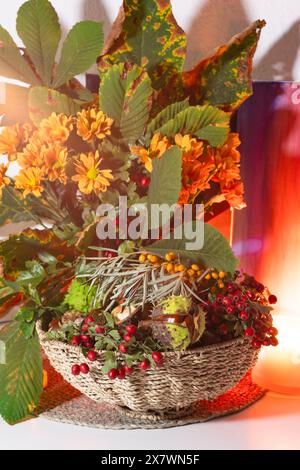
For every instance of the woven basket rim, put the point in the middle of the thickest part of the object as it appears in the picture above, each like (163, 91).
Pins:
(211, 347)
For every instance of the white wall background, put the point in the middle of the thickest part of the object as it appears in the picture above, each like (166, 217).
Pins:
(208, 23)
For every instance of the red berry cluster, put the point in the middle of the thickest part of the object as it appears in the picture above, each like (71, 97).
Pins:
(87, 342)
(242, 308)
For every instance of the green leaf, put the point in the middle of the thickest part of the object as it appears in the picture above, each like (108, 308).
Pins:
(205, 122)
(21, 377)
(34, 276)
(12, 64)
(224, 79)
(38, 27)
(81, 48)
(216, 252)
(149, 36)
(167, 114)
(44, 101)
(125, 96)
(115, 335)
(165, 185)
(110, 362)
(13, 207)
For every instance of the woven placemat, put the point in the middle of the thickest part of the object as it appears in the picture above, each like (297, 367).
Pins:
(61, 402)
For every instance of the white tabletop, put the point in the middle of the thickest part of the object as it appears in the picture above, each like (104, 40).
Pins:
(271, 423)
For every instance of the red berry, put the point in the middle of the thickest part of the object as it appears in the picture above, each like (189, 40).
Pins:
(75, 369)
(110, 254)
(89, 344)
(157, 357)
(230, 310)
(84, 328)
(226, 300)
(144, 365)
(112, 374)
(131, 329)
(231, 287)
(274, 341)
(272, 299)
(85, 338)
(273, 331)
(240, 305)
(223, 329)
(256, 343)
(266, 342)
(244, 315)
(144, 182)
(92, 355)
(127, 337)
(249, 331)
(89, 319)
(76, 340)
(123, 348)
(84, 368)
(250, 295)
(128, 370)
(121, 373)
(99, 330)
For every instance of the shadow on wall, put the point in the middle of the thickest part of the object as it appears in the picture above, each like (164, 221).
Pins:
(96, 11)
(218, 20)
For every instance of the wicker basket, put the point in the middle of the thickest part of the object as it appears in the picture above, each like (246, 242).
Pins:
(186, 376)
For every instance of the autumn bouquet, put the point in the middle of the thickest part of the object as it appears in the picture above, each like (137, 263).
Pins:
(126, 305)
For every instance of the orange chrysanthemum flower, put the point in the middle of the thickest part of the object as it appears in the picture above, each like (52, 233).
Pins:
(29, 181)
(228, 160)
(92, 123)
(13, 138)
(31, 155)
(55, 160)
(157, 148)
(228, 171)
(89, 176)
(56, 128)
(197, 168)
(4, 181)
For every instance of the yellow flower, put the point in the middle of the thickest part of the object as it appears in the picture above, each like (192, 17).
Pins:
(89, 176)
(157, 148)
(56, 128)
(30, 181)
(31, 155)
(4, 181)
(13, 138)
(55, 160)
(192, 148)
(93, 123)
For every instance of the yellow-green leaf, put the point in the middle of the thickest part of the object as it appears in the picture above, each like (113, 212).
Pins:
(21, 375)
(45, 101)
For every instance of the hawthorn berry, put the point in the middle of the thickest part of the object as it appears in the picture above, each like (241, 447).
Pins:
(272, 299)
(85, 338)
(144, 182)
(273, 331)
(230, 310)
(84, 328)
(76, 340)
(128, 370)
(112, 374)
(127, 337)
(157, 357)
(99, 330)
(131, 329)
(256, 343)
(89, 319)
(121, 373)
(244, 315)
(249, 331)
(92, 355)
(84, 368)
(274, 341)
(89, 344)
(123, 348)
(75, 370)
(145, 364)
